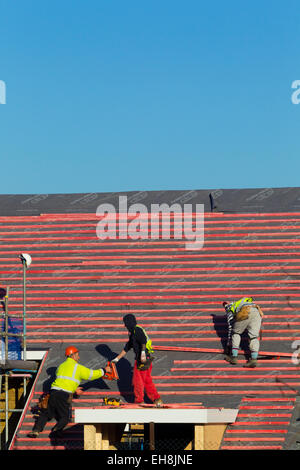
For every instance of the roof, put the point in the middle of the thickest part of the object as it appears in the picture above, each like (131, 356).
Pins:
(79, 286)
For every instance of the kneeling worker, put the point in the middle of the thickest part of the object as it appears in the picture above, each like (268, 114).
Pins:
(246, 315)
(68, 378)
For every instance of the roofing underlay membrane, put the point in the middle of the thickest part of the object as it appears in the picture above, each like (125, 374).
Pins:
(79, 287)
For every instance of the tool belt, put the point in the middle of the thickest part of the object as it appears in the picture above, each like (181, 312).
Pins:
(243, 314)
(43, 402)
(145, 365)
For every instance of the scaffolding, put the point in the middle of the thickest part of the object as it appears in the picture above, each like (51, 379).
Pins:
(14, 364)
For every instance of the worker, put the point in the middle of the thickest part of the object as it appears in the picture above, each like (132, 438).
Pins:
(68, 378)
(142, 347)
(242, 315)
(230, 322)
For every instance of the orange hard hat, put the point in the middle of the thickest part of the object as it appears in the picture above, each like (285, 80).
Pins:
(70, 350)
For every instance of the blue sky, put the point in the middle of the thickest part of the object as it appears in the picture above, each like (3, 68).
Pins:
(108, 96)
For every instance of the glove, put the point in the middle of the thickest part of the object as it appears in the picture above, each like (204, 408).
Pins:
(115, 360)
(143, 356)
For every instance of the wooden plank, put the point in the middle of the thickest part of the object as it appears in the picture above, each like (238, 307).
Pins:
(213, 435)
(98, 437)
(102, 436)
(193, 415)
(199, 437)
(89, 437)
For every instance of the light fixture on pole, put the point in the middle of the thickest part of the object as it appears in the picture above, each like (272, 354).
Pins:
(26, 262)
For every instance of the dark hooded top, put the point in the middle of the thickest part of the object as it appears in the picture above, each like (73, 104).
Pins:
(137, 337)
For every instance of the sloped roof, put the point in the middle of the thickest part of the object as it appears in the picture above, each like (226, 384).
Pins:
(78, 287)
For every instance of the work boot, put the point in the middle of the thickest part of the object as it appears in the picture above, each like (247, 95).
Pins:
(33, 434)
(56, 434)
(251, 363)
(232, 359)
(158, 403)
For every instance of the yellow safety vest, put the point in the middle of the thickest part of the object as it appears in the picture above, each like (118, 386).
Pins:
(149, 342)
(70, 374)
(236, 306)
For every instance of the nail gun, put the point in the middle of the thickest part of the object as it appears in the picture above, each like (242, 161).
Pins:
(113, 375)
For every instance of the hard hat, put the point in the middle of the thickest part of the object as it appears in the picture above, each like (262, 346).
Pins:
(70, 350)
(25, 258)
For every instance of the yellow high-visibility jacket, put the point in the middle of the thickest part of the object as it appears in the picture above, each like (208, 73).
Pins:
(149, 342)
(236, 306)
(70, 374)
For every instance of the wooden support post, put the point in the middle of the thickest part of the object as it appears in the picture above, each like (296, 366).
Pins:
(112, 433)
(102, 436)
(151, 436)
(93, 437)
(213, 435)
(199, 437)
(90, 437)
(105, 438)
(98, 437)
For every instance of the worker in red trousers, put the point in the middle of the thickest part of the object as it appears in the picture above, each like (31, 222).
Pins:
(141, 345)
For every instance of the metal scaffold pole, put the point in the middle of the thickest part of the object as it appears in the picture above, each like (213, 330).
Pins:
(6, 356)
(24, 324)
(5, 335)
(24, 312)
(26, 262)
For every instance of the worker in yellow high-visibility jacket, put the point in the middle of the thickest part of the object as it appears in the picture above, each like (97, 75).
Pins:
(242, 315)
(68, 378)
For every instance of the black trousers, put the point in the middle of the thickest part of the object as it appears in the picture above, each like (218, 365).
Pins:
(59, 407)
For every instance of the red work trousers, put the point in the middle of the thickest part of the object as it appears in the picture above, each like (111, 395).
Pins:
(142, 382)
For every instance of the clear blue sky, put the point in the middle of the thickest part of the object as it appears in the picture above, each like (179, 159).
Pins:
(115, 95)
